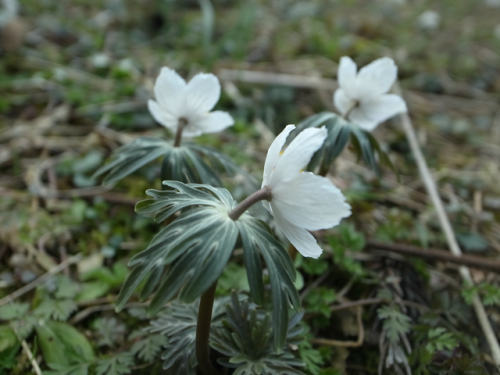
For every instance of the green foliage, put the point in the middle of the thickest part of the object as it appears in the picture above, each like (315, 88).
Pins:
(117, 365)
(148, 348)
(101, 280)
(490, 293)
(56, 309)
(188, 163)
(318, 300)
(8, 338)
(8, 356)
(314, 266)
(197, 246)
(340, 131)
(245, 338)
(396, 324)
(109, 331)
(311, 357)
(233, 277)
(461, 365)
(440, 339)
(348, 240)
(13, 310)
(177, 322)
(472, 241)
(63, 345)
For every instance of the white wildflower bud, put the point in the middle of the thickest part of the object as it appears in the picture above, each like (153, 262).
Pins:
(429, 20)
(191, 102)
(301, 201)
(362, 97)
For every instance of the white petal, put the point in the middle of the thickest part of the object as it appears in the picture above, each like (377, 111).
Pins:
(163, 117)
(311, 202)
(298, 154)
(342, 101)
(213, 122)
(170, 91)
(376, 78)
(273, 154)
(372, 112)
(191, 131)
(304, 242)
(347, 75)
(203, 92)
(267, 206)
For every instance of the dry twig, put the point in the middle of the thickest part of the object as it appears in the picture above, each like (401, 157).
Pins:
(346, 344)
(440, 255)
(41, 279)
(447, 229)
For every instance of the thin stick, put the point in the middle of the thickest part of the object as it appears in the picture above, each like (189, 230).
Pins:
(440, 255)
(447, 229)
(267, 78)
(346, 344)
(41, 279)
(28, 352)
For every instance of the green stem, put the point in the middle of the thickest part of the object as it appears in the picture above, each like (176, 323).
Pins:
(203, 332)
(259, 195)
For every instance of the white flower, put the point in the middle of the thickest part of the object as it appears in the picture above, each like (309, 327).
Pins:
(192, 102)
(301, 201)
(362, 97)
(429, 20)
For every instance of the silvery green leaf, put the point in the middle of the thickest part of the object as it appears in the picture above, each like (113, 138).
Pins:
(245, 339)
(177, 322)
(256, 239)
(340, 132)
(188, 163)
(195, 247)
(129, 158)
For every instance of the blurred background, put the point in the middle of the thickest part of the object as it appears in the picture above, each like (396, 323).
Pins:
(75, 77)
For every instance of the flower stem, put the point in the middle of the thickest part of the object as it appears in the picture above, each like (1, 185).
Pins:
(180, 127)
(348, 112)
(259, 195)
(203, 332)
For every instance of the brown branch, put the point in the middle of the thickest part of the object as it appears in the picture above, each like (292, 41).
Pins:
(439, 255)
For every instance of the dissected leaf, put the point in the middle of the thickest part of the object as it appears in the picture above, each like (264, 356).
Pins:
(246, 339)
(148, 348)
(177, 322)
(56, 309)
(440, 339)
(396, 324)
(117, 365)
(13, 310)
(109, 331)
